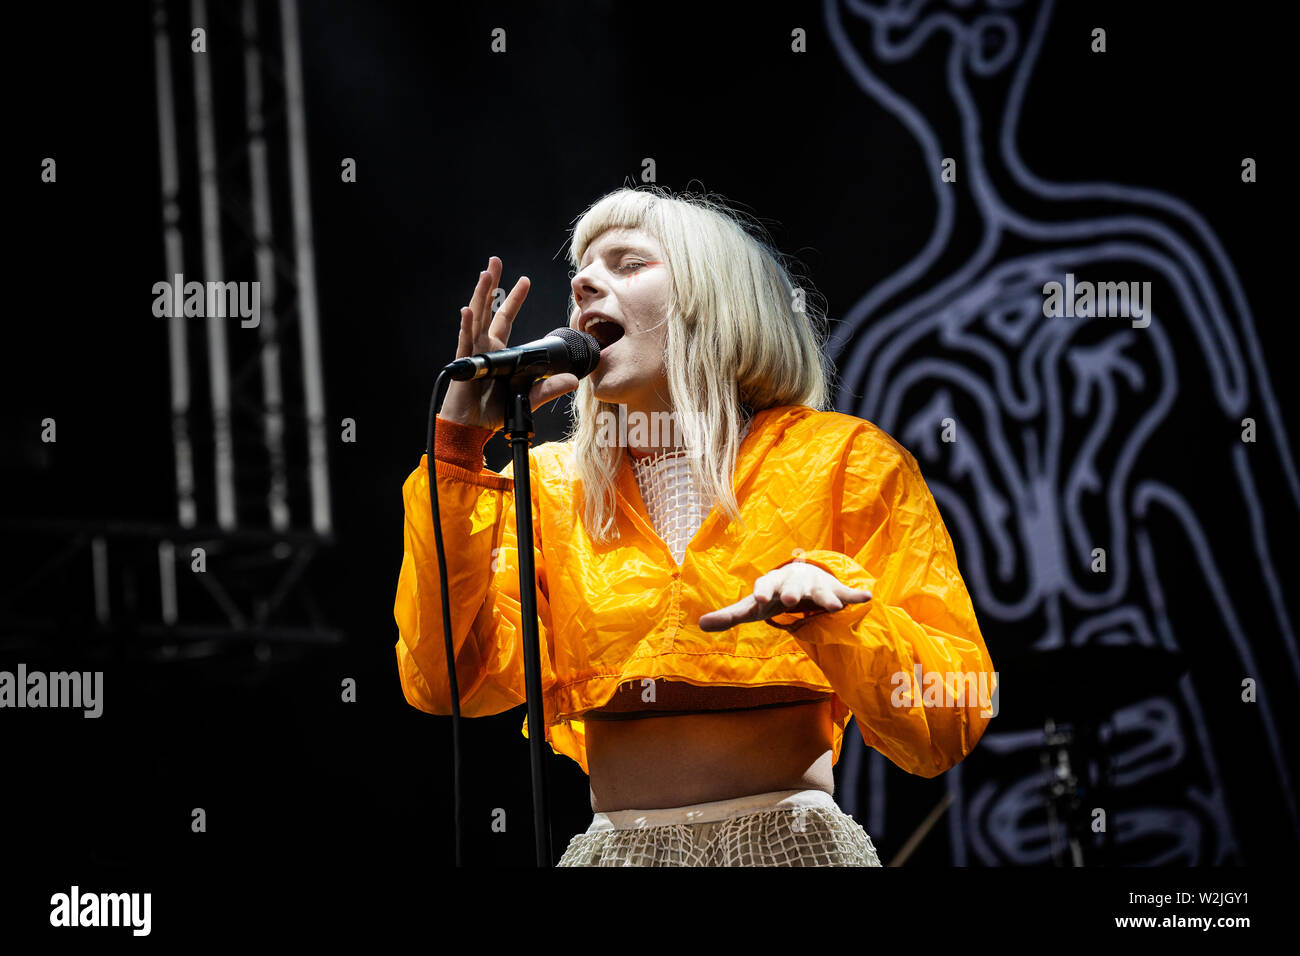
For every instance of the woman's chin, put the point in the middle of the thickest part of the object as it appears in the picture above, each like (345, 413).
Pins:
(606, 388)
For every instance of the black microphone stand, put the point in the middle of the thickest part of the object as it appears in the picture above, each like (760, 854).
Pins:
(519, 433)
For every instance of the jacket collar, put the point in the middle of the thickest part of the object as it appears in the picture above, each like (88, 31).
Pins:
(765, 431)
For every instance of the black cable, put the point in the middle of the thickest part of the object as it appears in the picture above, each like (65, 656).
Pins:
(439, 387)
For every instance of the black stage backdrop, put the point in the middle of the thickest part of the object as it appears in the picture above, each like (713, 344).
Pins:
(1123, 165)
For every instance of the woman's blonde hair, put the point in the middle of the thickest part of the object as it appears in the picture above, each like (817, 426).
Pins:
(742, 337)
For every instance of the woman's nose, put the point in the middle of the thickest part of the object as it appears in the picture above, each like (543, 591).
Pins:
(584, 288)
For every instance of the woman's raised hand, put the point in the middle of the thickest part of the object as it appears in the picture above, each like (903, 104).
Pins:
(482, 402)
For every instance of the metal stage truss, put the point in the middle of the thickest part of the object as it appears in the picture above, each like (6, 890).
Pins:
(246, 398)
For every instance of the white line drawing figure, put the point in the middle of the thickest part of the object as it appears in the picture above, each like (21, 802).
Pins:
(1064, 431)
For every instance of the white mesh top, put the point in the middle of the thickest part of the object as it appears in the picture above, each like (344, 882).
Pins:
(674, 503)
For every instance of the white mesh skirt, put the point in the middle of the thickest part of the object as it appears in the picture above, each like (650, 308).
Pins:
(782, 828)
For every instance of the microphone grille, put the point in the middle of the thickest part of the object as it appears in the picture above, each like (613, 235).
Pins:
(584, 350)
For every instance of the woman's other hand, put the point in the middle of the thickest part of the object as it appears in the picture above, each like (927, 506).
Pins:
(790, 589)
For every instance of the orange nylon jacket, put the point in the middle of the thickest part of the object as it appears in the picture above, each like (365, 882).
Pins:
(835, 486)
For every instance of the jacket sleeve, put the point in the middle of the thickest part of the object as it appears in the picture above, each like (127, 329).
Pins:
(910, 663)
(479, 540)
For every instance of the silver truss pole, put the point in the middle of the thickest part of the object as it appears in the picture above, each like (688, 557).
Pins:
(210, 207)
(177, 334)
(304, 255)
(277, 501)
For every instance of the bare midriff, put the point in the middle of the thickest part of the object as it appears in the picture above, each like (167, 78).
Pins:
(672, 761)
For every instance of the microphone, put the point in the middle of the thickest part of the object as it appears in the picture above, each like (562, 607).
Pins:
(563, 350)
